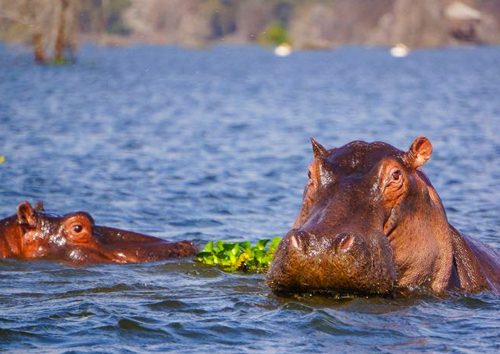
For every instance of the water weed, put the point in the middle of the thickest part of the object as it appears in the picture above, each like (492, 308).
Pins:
(239, 256)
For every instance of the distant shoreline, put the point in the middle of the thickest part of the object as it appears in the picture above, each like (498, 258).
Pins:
(209, 46)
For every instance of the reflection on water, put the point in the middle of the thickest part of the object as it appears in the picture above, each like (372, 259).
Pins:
(214, 145)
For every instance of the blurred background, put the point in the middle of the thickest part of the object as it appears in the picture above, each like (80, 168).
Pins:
(54, 25)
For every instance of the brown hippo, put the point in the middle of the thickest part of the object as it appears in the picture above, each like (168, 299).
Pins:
(371, 220)
(74, 238)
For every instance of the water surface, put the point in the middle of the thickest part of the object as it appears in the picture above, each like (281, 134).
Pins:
(214, 144)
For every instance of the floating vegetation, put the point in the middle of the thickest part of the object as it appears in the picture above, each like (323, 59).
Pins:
(2, 159)
(239, 256)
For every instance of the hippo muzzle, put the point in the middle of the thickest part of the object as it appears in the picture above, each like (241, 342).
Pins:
(345, 263)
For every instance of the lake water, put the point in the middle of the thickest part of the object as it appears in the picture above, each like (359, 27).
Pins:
(214, 144)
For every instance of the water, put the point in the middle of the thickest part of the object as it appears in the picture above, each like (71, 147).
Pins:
(213, 144)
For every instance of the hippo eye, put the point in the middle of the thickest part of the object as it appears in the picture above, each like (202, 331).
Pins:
(77, 228)
(396, 175)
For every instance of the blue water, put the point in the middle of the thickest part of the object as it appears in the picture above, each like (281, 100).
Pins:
(214, 144)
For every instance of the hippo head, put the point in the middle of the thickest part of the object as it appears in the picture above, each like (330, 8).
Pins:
(339, 241)
(34, 232)
(75, 238)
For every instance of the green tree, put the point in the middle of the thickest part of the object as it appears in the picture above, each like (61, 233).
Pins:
(275, 34)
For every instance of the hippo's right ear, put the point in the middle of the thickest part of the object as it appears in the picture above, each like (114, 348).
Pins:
(318, 149)
(420, 151)
(39, 206)
(26, 214)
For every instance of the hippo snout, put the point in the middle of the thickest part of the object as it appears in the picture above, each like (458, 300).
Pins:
(342, 262)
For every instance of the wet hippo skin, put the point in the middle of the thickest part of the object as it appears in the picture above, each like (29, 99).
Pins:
(74, 238)
(371, 222)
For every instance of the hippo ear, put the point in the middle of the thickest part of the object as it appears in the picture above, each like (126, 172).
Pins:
(26, 214)
(39, 206)
(420, 151)
(318, 149)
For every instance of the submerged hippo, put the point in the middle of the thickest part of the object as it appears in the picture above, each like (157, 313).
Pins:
(371, 222)
(74, 238)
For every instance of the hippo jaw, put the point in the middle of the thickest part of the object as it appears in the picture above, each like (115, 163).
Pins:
(128, 247)
(115, 245)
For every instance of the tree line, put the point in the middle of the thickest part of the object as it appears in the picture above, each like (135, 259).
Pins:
(55, 27)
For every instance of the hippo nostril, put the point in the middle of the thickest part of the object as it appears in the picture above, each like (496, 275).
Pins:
(294, 242)
(295, 239)
(345, 243)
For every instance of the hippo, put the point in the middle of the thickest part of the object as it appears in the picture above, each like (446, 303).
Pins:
(75, 239)
(372, 223)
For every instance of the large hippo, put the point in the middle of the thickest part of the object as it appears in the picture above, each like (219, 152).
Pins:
(371, 222)
(74, 238)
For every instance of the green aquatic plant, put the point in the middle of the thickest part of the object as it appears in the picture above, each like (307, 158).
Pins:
(239, 256)
(2, 159)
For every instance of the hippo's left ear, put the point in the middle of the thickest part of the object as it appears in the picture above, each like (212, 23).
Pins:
(26, 214)
(420, 151)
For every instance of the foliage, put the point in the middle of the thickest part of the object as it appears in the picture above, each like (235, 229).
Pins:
(2, 159)
(275, 34)
(239, 256)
